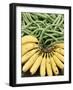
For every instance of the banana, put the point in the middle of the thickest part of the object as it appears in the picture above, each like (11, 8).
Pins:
(43, 67)
(60, 50)
(61, 45)
(29, 39)
(59, 56)
(28, 55)
(36, 65)
(54, 67)
(48, 67)
(30, 62)
(27, 47)
(58, 62)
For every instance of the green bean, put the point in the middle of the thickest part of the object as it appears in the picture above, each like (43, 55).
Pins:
(59, 19)
(49, 17)
(40, 38)
(38, 35)
(31, 24)
(44, 36)
(51, 44)
(53, 16)
(26, 32)
(61, 22)
(29, 17)
(60, 38)
(34, 17)
(57, 32)
(47, 41)
(25, 19)
(40, 15)
(57, 22)
(51, 36)
(36, 30)
(32, 28)
(40, 22)
(61, 29)
(50, 26)
(56, 19)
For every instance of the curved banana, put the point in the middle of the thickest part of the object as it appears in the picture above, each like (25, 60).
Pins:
(30, 62)
(29, 39)
(26, 56)
(60, 50)
(43, 67)
(36, 65)
(54, 67)
(27, 47)
(59, 56)
(48, 67)
(58, 62)
(61, 45)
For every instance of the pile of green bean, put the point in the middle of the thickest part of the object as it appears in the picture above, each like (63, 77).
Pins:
(47, 27)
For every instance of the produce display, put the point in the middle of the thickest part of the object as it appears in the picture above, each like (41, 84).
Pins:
(42, 40)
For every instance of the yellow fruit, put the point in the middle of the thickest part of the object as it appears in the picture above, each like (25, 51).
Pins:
(58, 62)
(43, 67)
(29, 39)
(48, 67)
(28, 47)
(60, 50)
(59, 56)
(61, 45)
(30, 62)
(28, 55)
(54, 67)
(36, 65)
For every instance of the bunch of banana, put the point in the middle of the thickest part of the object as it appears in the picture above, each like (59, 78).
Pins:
(28, 43)
(33, 58)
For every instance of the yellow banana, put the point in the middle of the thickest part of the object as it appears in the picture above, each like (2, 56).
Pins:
(29, 39)
(61, 45)
(43, 66)
(28, 55)
(36, 65)
(48, 67)
(59, 56)
(30, 62)
(54, 67)
(58, 62)
(27, 47)
(60, 50)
